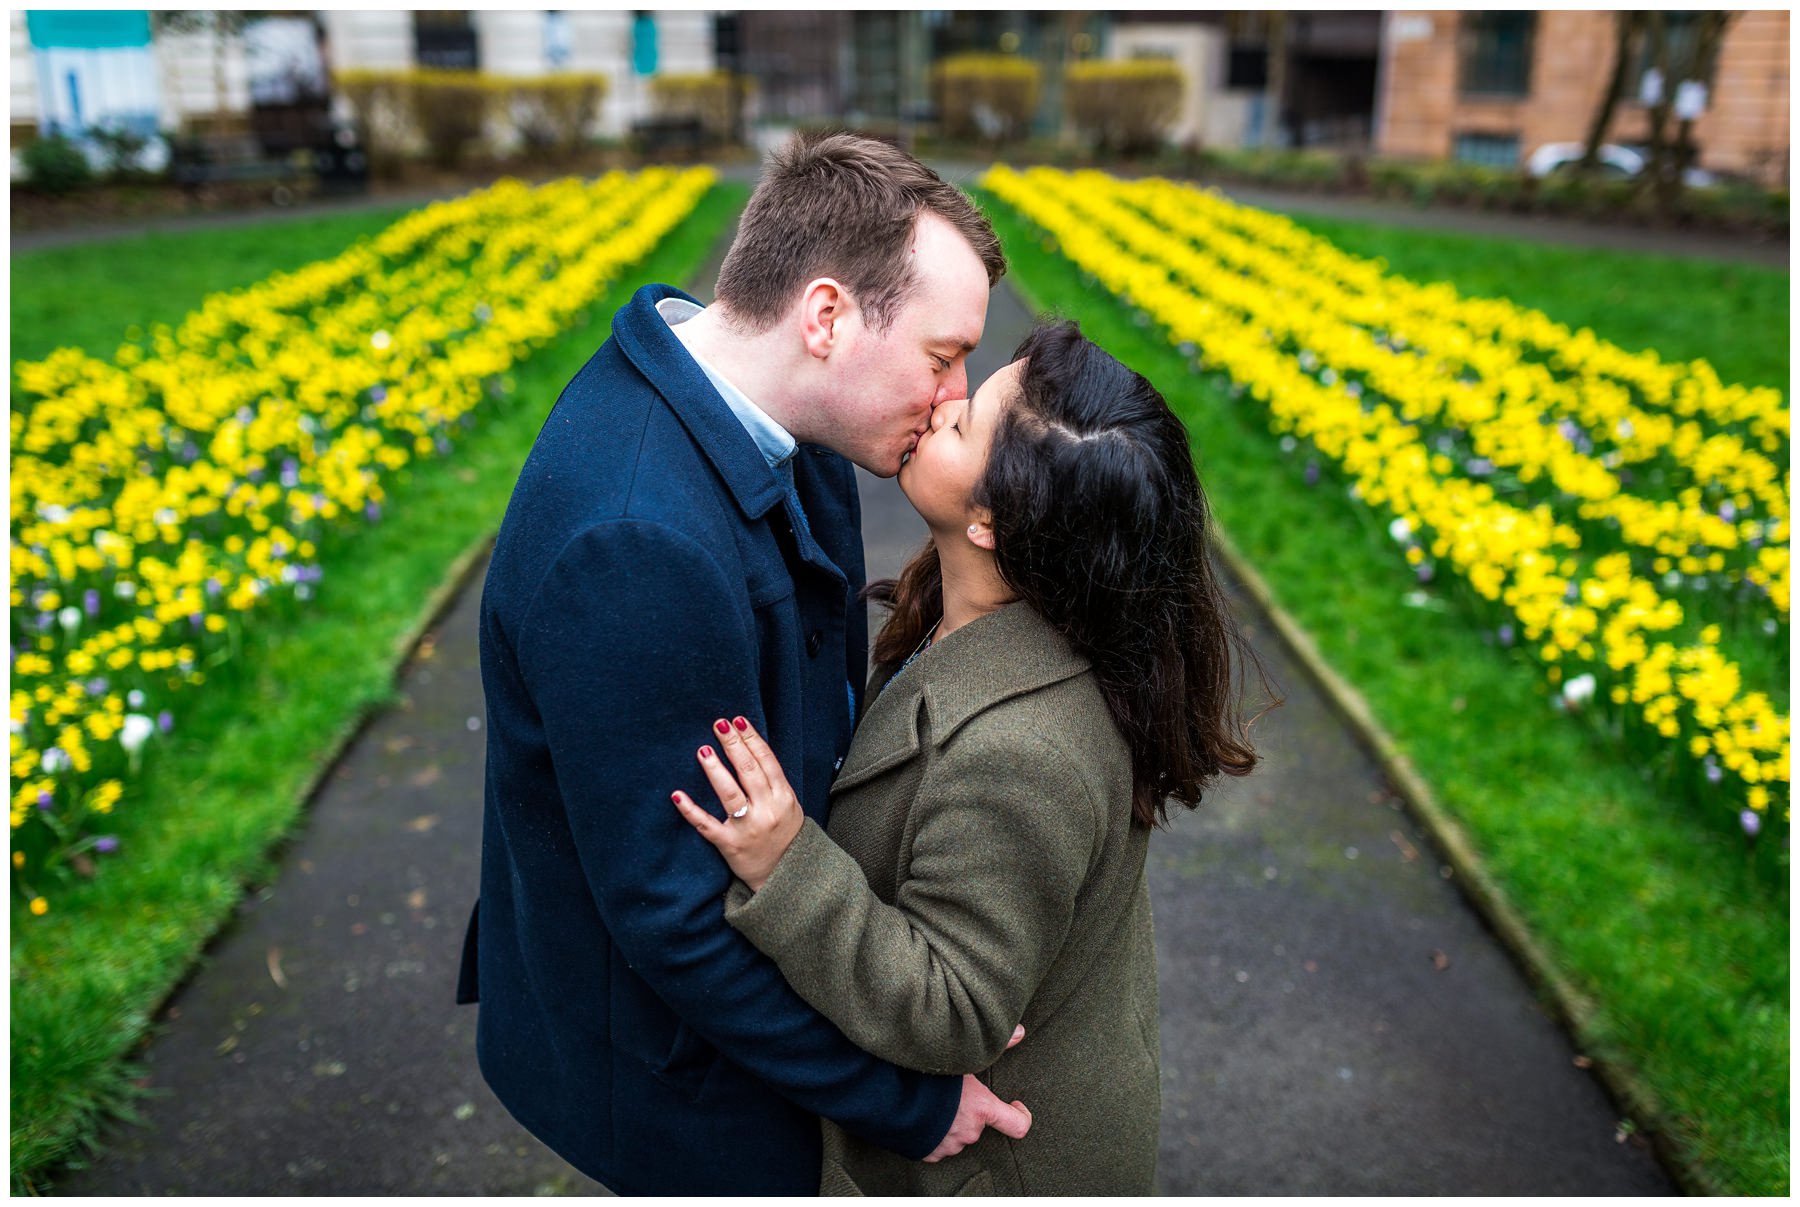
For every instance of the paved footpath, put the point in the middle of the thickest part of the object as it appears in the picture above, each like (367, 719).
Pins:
(1335, 1017)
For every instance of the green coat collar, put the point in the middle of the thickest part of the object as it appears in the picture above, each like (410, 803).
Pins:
(1003, 654)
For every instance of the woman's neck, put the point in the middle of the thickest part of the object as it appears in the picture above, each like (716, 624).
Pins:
(972, 586)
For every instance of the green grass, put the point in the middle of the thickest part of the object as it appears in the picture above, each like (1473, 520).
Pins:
(232, 780)
(1733, 315)
(1650, 906)
(85, 296)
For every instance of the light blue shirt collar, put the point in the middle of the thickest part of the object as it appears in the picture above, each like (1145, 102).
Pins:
(773, 439)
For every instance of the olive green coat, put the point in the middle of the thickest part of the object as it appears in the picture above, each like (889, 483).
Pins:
(983, 870)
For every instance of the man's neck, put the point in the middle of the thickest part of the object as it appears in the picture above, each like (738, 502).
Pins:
(754, 364)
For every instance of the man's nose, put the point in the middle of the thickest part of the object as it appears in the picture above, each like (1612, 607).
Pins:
(954, 385)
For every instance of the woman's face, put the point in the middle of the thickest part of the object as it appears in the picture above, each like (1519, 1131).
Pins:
(939, 478)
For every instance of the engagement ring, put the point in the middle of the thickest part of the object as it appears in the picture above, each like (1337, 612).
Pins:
(742, 811)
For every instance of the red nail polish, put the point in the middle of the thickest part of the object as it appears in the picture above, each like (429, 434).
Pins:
(741, 724)
(676, 797)
(721, 727)
(706, 752)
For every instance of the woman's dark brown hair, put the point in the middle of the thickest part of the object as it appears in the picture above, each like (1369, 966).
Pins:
(1100, 524)
(841, 205)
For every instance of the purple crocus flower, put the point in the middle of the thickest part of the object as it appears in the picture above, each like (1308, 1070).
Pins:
(1425, 572)
(378, 393)
(90, 600)
(1714, 773)
(165, 720)
(1505, 634)
(194, 619)
(373, 511)
(1750, 821)
(1312, 473)
(290, 473)
(44, 800)
(106, 844)
(96, 687)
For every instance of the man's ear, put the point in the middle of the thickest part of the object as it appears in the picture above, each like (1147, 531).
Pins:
(823, 307)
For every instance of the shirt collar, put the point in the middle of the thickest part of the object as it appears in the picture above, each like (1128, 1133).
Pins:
(773, 440)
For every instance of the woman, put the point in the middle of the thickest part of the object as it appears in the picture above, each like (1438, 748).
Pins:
(1055, 668)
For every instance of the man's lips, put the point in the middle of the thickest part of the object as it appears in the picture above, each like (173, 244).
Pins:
(913, 446)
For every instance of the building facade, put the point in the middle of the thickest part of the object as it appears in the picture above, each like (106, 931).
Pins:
(74, 72)
(1492, 87)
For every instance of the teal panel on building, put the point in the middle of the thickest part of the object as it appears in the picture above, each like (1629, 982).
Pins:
(106, 30)
(643, 44)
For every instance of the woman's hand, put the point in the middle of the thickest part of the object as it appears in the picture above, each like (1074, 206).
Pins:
(762, 814)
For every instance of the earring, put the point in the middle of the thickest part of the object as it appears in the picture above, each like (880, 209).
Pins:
(974, 528)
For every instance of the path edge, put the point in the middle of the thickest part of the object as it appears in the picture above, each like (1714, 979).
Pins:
(1574, 1008)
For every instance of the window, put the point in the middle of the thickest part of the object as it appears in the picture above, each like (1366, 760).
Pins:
(1496, 53)
(445, 40)
(1488, 150)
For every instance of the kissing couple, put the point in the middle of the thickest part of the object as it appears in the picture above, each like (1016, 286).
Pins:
(748, 923)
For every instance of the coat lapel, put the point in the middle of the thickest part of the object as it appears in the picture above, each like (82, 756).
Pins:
(888, 734)
(1006, 653)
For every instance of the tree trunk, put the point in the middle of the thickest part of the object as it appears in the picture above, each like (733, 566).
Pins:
(1706, 52)
(1277, 80)
(1664, 183)
(1629, 25)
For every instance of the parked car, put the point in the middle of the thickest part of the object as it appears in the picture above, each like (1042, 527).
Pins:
(1614, 160)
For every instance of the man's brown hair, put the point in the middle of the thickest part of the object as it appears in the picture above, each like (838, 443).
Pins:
(836, 204)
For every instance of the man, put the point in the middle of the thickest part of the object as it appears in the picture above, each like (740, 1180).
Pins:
(684, 544)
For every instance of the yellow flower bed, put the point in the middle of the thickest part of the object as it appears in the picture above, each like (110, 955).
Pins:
(161, 498)
(1339, 366)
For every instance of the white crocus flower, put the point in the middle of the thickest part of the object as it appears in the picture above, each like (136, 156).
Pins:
(1400, 530)
(1579, 690)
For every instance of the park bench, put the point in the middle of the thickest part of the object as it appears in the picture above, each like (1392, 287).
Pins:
(661, 135)
(199, 160)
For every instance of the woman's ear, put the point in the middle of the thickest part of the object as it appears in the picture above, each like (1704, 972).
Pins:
(823, 308)
(981, 532)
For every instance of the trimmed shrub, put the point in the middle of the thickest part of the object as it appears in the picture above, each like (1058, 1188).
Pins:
(450, 110)
(987, 97)
(714, 98)
(1124, 106)
(381, 101)
(552, 113)
(55, 165)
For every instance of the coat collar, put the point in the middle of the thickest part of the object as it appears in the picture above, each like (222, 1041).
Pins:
(998, 656)
(646, 340)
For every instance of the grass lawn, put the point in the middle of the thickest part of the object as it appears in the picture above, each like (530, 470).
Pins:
(234, 776)
(1651, 906)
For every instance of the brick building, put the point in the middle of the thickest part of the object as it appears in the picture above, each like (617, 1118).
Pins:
(1491, 87)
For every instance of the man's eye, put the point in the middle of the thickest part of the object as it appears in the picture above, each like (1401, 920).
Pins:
(942, 364)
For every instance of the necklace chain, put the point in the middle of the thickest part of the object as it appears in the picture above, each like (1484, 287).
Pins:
(922, 644)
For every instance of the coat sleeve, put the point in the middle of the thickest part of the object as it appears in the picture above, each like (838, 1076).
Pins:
(633, 643)
(938, 980)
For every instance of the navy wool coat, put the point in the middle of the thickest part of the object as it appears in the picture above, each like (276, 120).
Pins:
(649, 577)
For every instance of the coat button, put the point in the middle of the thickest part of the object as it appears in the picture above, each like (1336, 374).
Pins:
(814, 642)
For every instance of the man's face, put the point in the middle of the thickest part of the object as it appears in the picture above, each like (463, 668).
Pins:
(889, 381)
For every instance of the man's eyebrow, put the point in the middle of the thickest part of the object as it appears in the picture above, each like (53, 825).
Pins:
(950, 341)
